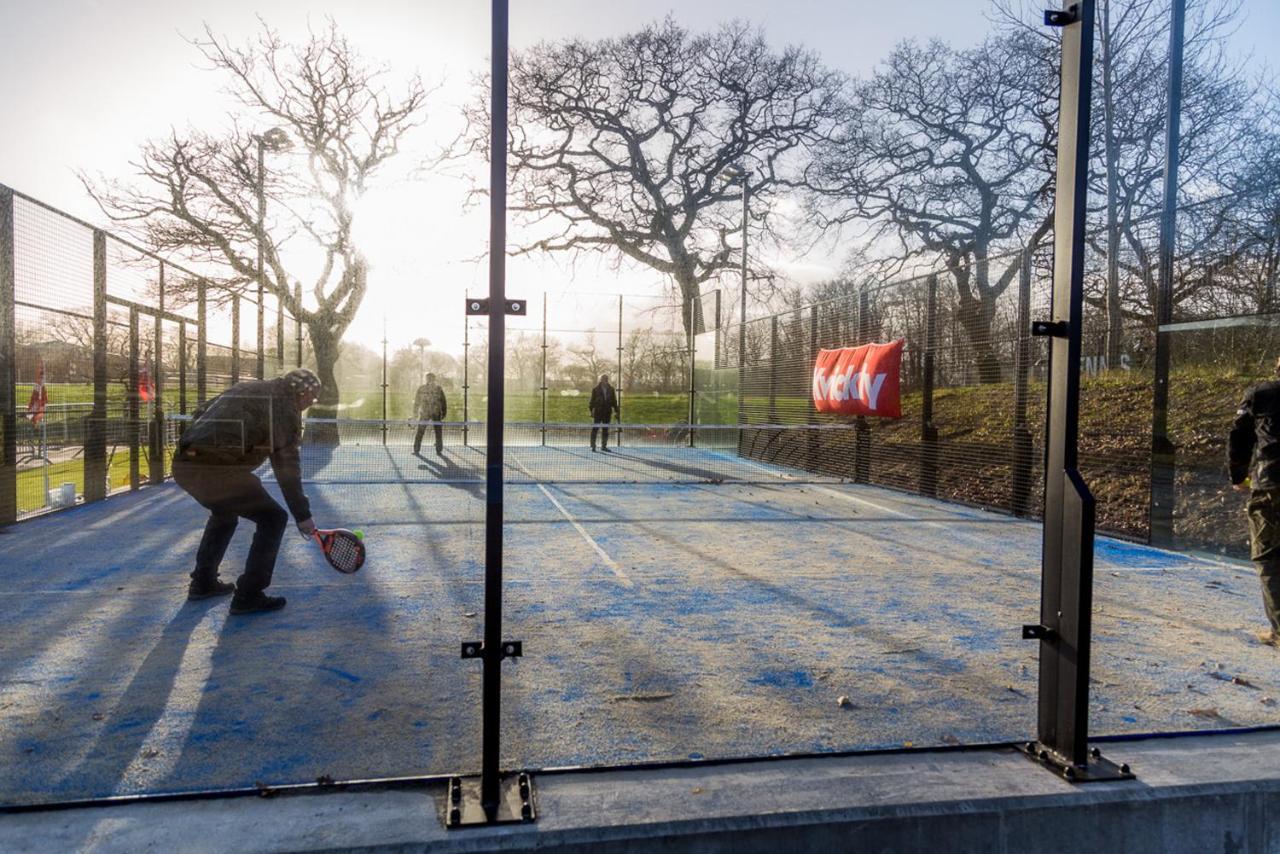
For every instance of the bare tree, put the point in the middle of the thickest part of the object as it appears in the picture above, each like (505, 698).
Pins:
(195, 193)
(948, 155)
(623, 145)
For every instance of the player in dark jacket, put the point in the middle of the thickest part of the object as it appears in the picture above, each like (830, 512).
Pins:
(1254, 463)
(603, 404)
(429, 404)
(228, 438)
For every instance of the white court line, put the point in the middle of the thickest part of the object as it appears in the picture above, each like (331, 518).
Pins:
(604, 556)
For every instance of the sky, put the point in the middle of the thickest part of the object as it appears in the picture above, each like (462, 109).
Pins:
(84, 82)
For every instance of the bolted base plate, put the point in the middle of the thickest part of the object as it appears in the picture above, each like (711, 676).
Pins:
(1098, 769)
(515, 802)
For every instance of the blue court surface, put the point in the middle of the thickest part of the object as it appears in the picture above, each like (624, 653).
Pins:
(690, 617)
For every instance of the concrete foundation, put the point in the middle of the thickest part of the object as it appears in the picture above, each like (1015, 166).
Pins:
(1204, 793)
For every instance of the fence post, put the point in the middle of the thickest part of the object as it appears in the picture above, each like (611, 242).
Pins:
(929, 432)
(1022, 447)
(96, 474)
(279, 335)
(543, 388)
(235, 339)
(297, 322)
(384, 382)
(157, 378)
(773, 369)
(131, 397)
(8, 363)
(862, 430)
(182, 367)
(202, 342)
(466, 379)
(811, 437)
(619, 392)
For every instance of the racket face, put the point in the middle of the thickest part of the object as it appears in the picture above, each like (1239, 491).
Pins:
(343, 550)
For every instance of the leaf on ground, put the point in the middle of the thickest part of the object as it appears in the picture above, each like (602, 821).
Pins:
(1204, 713)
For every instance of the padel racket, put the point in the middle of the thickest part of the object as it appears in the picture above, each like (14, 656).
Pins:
(342, 548)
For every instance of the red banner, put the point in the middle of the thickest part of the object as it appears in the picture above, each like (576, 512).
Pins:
(859, 380)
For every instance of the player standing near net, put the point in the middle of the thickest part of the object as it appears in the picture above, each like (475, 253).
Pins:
(1255, 444)
(429, 405)
(603, 404)
(227, 439)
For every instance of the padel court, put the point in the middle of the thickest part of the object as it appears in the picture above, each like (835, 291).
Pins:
(714, 607)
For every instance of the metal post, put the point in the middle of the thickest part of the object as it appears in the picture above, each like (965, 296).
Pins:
(279, 335)
(1020, 499)
(131, 401)
(182, 367)
(157, 378)
(202, 342)
(95, 444)
(742, 314)
(773, 369)
(862, 430)
(297, 322)
(619, 392)
(929, 432)
(262, 224)
(384, 382)
(544, 368)
(1163, 452)
(8, 363)
(466, 380)
(235, 339)
(498, 800)
(1065, 628)
(811, 437)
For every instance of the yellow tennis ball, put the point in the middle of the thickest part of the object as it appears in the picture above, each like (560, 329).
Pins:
(359, 534)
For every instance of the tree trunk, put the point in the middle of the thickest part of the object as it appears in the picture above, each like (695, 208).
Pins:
(976, 313)
(326, 348)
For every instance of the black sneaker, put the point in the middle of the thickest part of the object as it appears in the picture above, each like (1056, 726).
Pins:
(196, 592)
(255, 603)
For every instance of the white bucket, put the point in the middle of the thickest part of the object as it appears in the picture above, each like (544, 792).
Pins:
(63, 495)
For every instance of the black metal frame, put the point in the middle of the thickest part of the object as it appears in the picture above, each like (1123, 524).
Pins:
(1066, 606)
(8, 364)
(494, 798)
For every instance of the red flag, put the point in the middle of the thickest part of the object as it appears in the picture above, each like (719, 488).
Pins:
(859, 380)
(39, 397)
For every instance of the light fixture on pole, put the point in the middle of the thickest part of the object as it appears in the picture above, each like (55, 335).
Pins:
(422, 344)
(275, 139)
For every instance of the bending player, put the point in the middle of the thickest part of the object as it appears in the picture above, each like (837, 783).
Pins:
(229, 437)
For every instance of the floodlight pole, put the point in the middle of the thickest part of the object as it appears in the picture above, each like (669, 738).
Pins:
(1066, 597)
(494, 799)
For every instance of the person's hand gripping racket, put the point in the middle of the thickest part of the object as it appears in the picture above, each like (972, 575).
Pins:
(342, 548)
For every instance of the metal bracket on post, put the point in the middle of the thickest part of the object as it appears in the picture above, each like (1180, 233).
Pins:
(1096, 769)
(1050, 328)
(479, 306)
(515, 804)
(1062, 17)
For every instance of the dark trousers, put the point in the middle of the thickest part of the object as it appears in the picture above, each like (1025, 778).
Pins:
(422, 428)
(1264, 542)
(603, 431)
(230, 493)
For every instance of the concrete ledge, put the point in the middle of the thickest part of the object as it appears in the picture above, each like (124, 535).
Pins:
(1201, 794)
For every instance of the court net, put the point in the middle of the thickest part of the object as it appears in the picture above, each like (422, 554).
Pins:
(374, 451)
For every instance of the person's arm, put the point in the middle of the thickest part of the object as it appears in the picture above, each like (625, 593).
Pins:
(419, 398)
(1241, 442)
(288, 468)
(444, 405)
